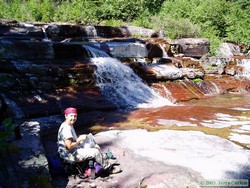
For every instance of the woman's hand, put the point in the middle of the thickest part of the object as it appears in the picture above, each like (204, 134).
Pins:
(81, 138)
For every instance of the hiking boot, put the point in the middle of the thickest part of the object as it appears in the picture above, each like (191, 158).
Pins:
(115, 170)
(109, 163)
(112, 161)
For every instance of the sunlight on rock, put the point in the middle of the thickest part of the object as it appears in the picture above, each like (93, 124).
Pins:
(240, 138)
(209, 155)
(170, 122)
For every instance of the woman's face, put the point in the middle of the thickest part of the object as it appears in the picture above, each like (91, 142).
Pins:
(71, 118)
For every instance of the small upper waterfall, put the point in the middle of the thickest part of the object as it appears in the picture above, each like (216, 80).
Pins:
(164, 53)
(123, 87)
(45, 39)
(245, 63)
(94, 52)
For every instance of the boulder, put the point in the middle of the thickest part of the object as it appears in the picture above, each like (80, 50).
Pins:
(128, 49)
(20, 31)
(163, 72)
(140, 31)
(192, 73)
(58, 32)
(194, 47)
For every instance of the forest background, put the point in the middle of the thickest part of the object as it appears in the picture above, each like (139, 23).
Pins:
(218, 20)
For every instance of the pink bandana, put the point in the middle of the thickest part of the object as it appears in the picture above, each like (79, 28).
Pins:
(70, 110)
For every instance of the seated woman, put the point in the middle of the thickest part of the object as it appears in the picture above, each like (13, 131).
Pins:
(72, 148)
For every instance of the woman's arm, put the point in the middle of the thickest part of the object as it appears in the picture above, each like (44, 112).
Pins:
(70, 144)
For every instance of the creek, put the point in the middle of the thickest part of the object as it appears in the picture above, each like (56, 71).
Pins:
(211, 114)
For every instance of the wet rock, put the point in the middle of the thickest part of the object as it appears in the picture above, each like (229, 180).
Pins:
(158, 47)
(69, 51)
(185, 90)
(178, 91)
(154, 50)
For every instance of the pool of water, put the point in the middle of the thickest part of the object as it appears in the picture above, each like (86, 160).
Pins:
(227, 116)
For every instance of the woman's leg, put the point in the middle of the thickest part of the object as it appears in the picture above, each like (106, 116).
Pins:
(83, 154)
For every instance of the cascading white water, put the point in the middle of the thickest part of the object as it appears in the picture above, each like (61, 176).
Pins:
(45, 39)
(123, 87)
(164, 53)
(215, 89)
(245, 63)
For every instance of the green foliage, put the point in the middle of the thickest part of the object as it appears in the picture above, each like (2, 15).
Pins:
(243, 4)
(113, 22)
(143, 20)
(76, 11)
(179, 8)
(211, 14)
(8, 126)
(32, 10)
(238, 25)
(40, 181)
(153, 6)
(175, 28)
(119, 9)
(214, 40)
(217, 20)
(197, 80)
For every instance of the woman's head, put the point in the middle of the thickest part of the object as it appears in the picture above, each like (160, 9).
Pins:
(70, 115)
(70, 110)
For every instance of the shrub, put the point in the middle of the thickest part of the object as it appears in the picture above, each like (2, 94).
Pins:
(173, 28)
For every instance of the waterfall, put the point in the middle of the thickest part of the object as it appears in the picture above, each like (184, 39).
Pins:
(119, 84)
(95, 52)
(215, 89)
(45, 39)
(123, 87)
(164, 53)
(245, 63)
